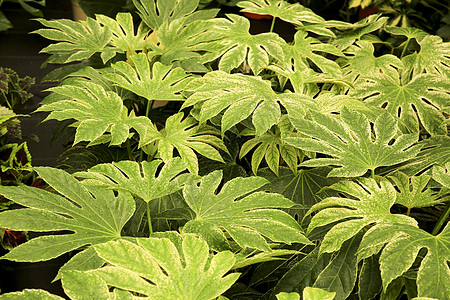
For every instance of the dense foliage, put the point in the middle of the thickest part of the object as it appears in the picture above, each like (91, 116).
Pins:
(316, 168)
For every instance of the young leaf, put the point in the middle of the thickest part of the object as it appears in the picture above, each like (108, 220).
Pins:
(185, 137)
(156, 82)
(372, 207)
(241, 96)
(286, 296)
(76, 40)
(159, 269)
(417, 101)
(403, 244)
(155, 13)
(351, 142)
(413, 192)
(138, 179)
(312, 293)
(94, 215)
(236, 45)
(96, 110)
(246, 220)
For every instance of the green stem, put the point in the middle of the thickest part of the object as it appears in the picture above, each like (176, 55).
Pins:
(404, 48)
(130, 156)
(149, 219)
(408, 211)
(147, 112)
(273, 24)
(372, 173)
(442, 220)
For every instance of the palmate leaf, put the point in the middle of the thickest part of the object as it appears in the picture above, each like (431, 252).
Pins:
(293, 13)
(94, 215)
(156, 82)
(155, 12)
(247, 220)
(186, 136)
(236, 45)
(139, 179)
(158, 268)
(403, 244)
(433, 57)
(97, 111)
(351, 142)
(442, 175)
(75, 40)
(241, 96)
(372, 207)
(413, 191)
(362, 62)
(418, 101)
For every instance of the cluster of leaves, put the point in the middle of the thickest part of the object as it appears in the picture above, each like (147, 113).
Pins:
(345, 134)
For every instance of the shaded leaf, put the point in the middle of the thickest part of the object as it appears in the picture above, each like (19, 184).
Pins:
(369, 280)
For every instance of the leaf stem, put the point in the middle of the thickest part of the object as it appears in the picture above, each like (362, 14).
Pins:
(441, 220)
(149, 219)
(273, 24)
(372, 173)
(127, 143)
(404, 48)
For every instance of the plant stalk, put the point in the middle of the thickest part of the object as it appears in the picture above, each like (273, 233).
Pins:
(442, 220)
(273, 24)
(149, 219)
(404, 48)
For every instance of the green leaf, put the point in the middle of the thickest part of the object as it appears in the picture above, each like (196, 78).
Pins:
(82, 285)
(5, 24)
(82, 261)
(433, 57)
(306, 187)
(246, 220)
(159, 269)
(312, 293)
(340, 274)
(75, 40)
(351, 142)
(413, 192)
(442, 175)
(96, 110)
(237, 46)
(94, 215)
(155, 13)
(139, 179)
(403, 244)
(185, 136)
(418, 101)
(241, 96)
(31, 294)
(156, 82)
(286, 296)
(369, 281)
(249, 257)
(292, 13)
(363, 62)
(372, 207)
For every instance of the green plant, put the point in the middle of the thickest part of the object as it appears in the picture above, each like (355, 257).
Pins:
(344, 130)
(27, 5)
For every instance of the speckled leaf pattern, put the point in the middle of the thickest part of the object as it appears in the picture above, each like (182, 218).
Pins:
(351, 143)
(247, 220)
(372, 207)
(403, 244)
(75, 40)
(94, 215)
(155, 13)
(186, 136)
(240, 96)
(363, 62)
(413, 191)
(159, 269)
(237, 45)
(32, 294)
(293, 13)
(139, 179)
(418, 101)
(433, 57)
(97, 111)
(156, 82)
(442, 175)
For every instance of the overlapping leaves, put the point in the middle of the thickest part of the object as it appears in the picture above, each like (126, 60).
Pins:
(240, 96)
(96, 111)
(245, 215)
(403, 244)
(351, 142)
(94, 215)
(159, 268)
(371, 204)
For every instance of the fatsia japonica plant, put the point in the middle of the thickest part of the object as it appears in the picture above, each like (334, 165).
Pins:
(310, 168)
